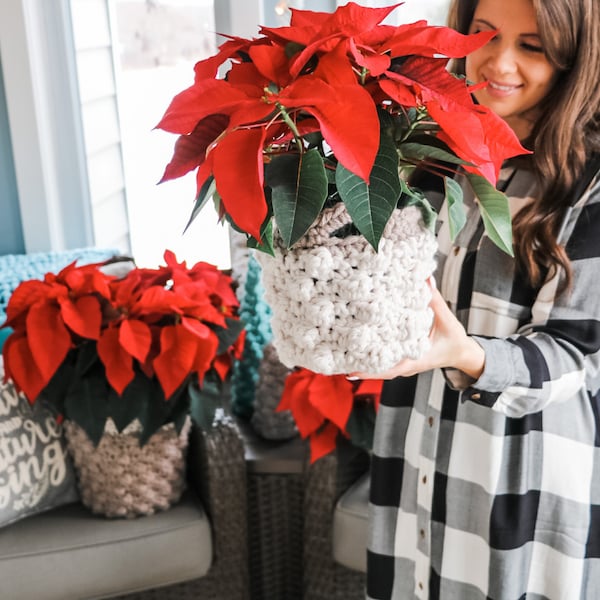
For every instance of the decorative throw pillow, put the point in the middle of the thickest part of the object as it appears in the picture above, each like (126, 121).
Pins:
(35, 472)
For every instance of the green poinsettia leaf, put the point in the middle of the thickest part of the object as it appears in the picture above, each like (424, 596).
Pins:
(414, 197)
(87, 405)
(57, 388)
(412, 192)
(206, 192)
(361, 425)
(427, 147)
(180, 412)
(125, 408)
(457, 216)
(495, 212)
(86, 357)
(123, 412)
(155, 411)
(228, 335)
(267, 240)
(204, 402)
(144, 399)
(179, 407)
(371, 206)
(298, 191)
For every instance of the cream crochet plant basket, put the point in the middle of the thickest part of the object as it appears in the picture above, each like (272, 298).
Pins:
(339, 306)
(119, 478)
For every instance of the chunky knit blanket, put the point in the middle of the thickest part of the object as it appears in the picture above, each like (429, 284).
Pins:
(15, 268)
(339, 306)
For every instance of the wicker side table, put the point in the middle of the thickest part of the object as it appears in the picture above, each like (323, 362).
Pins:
(276, 481)
(326, 480)
(219, 477)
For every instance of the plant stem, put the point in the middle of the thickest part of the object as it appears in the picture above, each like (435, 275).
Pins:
(290, 123)
(432, 167)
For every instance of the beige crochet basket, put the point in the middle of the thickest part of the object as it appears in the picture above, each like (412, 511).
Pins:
(339, 306)
(118, 478)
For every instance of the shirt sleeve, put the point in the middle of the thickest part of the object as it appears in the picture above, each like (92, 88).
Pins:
(556, 356)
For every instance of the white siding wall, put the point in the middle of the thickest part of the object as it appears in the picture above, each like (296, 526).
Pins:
(93, 42)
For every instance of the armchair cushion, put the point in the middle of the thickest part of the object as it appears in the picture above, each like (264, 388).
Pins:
(350, 526)
(68, 553)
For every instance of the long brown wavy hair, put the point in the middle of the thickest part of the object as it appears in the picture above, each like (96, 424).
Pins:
(567, 130)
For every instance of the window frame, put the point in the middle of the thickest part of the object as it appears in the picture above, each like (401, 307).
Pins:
(44, 114)
(38, 62)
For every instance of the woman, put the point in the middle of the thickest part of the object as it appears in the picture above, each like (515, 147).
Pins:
(486, 463)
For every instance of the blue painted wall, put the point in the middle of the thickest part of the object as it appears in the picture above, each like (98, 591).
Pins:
(11, 231)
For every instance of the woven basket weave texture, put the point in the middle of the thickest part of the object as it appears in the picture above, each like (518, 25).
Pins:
(275, 520)
(327, 479)
(118, 478)
(339, 306)
(218, 473)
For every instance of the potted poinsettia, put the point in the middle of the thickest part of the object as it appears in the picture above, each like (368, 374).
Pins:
(311, 138)
(327, 406)
(125, 360)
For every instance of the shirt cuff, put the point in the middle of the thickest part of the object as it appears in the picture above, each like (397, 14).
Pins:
(497, 373)
(500, 359)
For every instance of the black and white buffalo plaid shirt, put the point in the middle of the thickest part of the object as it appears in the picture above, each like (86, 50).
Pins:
(491, 489)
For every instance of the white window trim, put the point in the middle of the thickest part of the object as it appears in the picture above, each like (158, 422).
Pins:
(40, 77)
(38, 61)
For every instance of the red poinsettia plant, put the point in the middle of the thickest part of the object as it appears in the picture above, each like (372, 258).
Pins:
(327, 406)
(337, 107)
(151, 345)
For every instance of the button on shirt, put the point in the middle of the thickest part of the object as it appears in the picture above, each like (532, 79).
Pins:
(491, 488)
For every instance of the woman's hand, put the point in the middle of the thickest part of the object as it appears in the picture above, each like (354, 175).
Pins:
(450, 347)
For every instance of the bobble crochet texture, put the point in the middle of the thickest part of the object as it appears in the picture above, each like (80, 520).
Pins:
(118, 478)
(339, 306)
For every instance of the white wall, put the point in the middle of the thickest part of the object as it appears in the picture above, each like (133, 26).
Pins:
(95, 60)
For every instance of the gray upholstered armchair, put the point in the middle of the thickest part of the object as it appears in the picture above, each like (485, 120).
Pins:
(196, 549)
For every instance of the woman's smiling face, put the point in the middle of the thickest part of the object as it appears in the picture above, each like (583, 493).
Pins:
(518, 73)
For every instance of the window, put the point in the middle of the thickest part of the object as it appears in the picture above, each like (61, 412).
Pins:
(158, 43)
(56, 105)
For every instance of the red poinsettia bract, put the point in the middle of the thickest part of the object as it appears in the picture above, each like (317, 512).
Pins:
(321, 405)
(167, 320)
(336, 69)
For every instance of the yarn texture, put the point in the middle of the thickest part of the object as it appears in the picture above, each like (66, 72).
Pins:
(119, 478)
(256, 315)
(339, 306)
(15, 268)
(266, 421)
